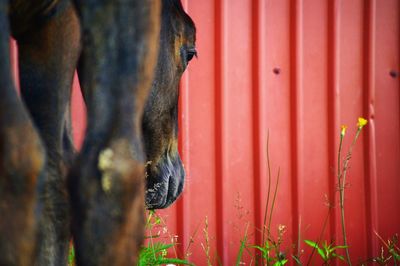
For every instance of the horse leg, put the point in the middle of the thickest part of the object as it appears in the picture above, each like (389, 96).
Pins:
(48, 55)
(106, 182)
(21, 161)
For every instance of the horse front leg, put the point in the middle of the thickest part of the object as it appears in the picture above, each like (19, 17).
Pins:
(22, 159)
(48, 55)
(107, 180)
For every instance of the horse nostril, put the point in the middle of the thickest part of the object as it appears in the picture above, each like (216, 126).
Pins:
(164, 181)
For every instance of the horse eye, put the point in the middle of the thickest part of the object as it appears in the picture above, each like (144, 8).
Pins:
(190, 53)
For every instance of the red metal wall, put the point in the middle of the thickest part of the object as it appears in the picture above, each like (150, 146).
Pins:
(297, 69)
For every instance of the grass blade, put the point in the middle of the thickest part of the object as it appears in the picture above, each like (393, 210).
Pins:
(242, 247)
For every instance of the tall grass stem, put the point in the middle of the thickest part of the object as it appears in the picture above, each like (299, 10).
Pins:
(342, 184)
(267, 204)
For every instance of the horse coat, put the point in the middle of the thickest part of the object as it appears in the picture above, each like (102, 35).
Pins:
(130, 55)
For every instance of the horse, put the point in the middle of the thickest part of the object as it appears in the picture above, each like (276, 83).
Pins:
(130, 56)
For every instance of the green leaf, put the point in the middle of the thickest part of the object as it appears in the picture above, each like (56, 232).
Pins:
(240, 254)
(311, 243)
(262, 249)
(337, 247)
(315, 245)
(153, 253)
(322, 254)
(172, 260)
(297, 260)
(326, 246)
(395, 255)
(160, 246)
(281, 262)
(338, 256)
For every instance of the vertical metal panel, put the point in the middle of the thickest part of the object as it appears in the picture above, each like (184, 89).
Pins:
(305, 67)
(296, 70)
(351, 103)
(278, 80)
(385, 111)
(370, 143)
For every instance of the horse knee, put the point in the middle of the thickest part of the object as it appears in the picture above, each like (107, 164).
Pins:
(23, 158)
(107, 190)
(120, 168)
(22, 162)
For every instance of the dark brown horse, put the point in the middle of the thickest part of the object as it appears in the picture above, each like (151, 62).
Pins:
(45, 191)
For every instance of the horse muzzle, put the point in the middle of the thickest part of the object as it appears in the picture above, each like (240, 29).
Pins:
(165, 181)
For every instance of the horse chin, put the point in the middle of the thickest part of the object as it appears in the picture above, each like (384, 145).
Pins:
(165, 182)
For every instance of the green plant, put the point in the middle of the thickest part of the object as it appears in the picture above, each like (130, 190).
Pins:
(269, 243)
(269, 251)
(326, 252)
(391, 253)
(341, 176)
(156, 253)
(206, 246)
(242, 246)
(321, 234)
(71, 255)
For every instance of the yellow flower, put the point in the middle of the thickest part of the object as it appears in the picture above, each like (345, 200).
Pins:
(361, 122)
(343, 131)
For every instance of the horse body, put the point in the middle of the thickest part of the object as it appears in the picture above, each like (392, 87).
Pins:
(99, 196)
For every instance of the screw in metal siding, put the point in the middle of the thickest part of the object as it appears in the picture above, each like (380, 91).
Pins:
(276, 70)
(393, 73)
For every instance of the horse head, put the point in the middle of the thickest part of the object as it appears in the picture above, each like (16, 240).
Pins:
(164, 169)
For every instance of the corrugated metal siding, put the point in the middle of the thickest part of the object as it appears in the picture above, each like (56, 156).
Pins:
(296, 70)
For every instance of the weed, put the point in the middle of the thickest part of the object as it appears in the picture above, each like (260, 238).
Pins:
(392, 252)
(156, 253)
(326, 252)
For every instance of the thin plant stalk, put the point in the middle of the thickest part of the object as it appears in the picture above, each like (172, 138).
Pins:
(383, 241)
(272, 209)
(273, 201)
(242, 246)
(206, 247)
(320, 236)
(162, 221)
(267, 204)
(191, 241)
(151, 233)
(341, 196)
(391, 249)
(342, 184)
(299, 238)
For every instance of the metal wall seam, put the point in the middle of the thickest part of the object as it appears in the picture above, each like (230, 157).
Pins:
(182, 221)
(182, 206)
(333, 121)
(295, 102)
(220, 165)
(256, 116)
(370, 140)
